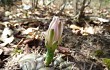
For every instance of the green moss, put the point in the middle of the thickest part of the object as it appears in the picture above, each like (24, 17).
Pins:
(98, 53)
(16, 51)
(106, 61)
(7, 2)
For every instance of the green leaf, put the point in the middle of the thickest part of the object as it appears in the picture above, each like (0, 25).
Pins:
(46, 44)
(54, 45)
(51, 36)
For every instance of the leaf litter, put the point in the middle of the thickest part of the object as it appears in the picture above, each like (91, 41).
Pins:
(22, 43)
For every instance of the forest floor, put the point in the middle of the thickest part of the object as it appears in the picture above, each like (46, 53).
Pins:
(22, 45)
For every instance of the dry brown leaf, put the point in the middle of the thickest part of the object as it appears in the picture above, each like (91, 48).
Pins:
(89, 30)
(1, 51)
(63, 50)
(7, 36)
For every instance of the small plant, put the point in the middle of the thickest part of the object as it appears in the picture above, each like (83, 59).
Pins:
(98, 53)
(16, 51)
(53, 37)
(107, 62)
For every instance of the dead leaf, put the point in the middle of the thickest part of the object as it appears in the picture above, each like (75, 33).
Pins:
(29, 30)
(7, 36)
(27, 4)
(1, 51)
(103, 20)
(32, 42)
(63, 50)
(89, 30)
(75, 27)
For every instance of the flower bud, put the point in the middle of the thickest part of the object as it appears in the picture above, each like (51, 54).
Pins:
(54, 31)
(52, 38)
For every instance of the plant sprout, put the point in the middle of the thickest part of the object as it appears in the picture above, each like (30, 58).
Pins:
(53, 37)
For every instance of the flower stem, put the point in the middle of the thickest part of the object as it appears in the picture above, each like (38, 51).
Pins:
(49, 57)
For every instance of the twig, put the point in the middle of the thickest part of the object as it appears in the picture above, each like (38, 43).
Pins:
(88, 3)
(20, 42)
(63, 7)
(91, 66)
(50, 2)
(34, 19)
(84, 66)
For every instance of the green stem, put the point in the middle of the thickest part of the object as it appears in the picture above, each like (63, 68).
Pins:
(49, 57)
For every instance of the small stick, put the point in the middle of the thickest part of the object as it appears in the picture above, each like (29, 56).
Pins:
(21, 41)
(91, 66)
